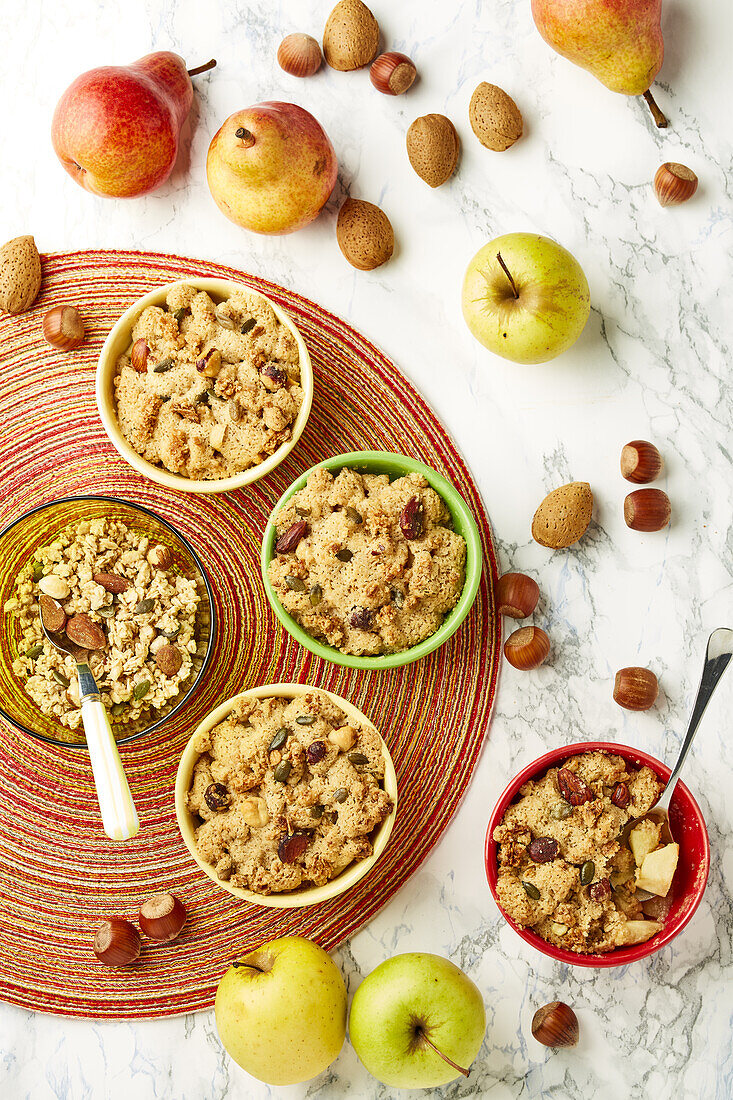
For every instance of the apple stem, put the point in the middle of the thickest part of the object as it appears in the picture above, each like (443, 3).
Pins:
(506, 271)
(657, 115)
(432, 1046)
(202, 68)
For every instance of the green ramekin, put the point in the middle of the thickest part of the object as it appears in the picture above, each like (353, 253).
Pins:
(384, 462)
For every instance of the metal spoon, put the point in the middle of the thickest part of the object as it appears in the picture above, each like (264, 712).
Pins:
(119, 815)
(717, 659)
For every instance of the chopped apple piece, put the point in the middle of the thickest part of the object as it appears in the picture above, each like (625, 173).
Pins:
(657, 870)
(638, 931)
(657, 908)
(643, 839)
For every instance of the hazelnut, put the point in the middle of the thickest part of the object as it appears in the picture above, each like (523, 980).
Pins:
(555, 1025)
(117, 942)
(640, 462)
(647, 510)
(392, 73)
(162, 917)
(139, 356)
(635, 688)
(674, 183)
(160, 557)
(516, 595)
(299, 55)
(344, 738)
(209, 364)
(527, 648)
(254, 812)
(63, 328)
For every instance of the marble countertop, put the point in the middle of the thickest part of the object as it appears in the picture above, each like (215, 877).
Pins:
(653, 362)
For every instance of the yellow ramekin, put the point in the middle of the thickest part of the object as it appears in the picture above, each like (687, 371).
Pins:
(118, 342)
(310, 895)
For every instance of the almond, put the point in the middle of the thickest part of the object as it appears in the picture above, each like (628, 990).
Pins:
(169, 660)
(52, 613)
(111, 582)
(563, 516)
(364, 234)
(20, 274)
(495, 118)
(85, 633)
(433, 147)
(350, 37)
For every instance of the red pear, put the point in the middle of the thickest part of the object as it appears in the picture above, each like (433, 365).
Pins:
(116, 128)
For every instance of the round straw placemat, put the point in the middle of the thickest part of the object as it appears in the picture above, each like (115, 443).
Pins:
(59, 874)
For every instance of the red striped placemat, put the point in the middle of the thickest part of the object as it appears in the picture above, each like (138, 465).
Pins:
(58, 872)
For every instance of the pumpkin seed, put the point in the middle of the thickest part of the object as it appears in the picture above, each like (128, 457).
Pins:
(306, 719)
(171, 633)
(37, 570)
(141, 689)
(279, 739)
(357, 758)
(587, 871)
(352, 513)
(162, 366)
(179, 314)
(201, 398)
(561, 810)
(60, 678)
(531, 890)
(317, 811)
(398, 598)
(106, 612)
(34, 651)
(344, 555)
(248, 326)
(295, 584)
(164, 398)
(118, 708)
(302, 511)
(340, 795)
(282, 771)
(144, 606)
(215, 395)
(316, 595)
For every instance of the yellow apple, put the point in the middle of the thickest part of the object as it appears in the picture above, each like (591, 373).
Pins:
(643, 839)
(657, 870)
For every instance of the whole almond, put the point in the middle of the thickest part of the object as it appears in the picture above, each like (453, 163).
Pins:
(563, 516)
(495, 118)
(169, 660)
(20, 274)
(139, 356)
(433, 147)
(85, 633)
(111, 582)
(364, 234)
(350, 37)
(52, 613)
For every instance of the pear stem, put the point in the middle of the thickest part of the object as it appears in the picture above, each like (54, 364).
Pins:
(245, 136)
(506, 271)
(440, 1054)
(202, 68)
(657, 115)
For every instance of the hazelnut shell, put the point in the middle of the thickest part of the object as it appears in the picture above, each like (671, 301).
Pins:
(299, 55)
(392, 73)
(674, 184)
(63, 328)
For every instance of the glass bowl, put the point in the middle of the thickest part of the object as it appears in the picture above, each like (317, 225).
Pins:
(395, 465)
(18, 542)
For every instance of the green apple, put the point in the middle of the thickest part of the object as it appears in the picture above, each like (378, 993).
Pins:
(417, 1021)
(281, 1011)
(525, 297)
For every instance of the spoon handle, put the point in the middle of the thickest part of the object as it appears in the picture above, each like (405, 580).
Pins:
(717, 659)
(119, 815)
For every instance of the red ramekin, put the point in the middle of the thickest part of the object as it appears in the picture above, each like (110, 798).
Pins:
(688, 829)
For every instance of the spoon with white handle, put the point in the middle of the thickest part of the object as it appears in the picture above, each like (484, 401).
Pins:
(119, 815)
(717, 659)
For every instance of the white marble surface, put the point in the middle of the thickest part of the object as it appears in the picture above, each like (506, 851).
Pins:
(653, 362)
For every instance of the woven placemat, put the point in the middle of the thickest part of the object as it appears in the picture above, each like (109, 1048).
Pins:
(58, 872)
